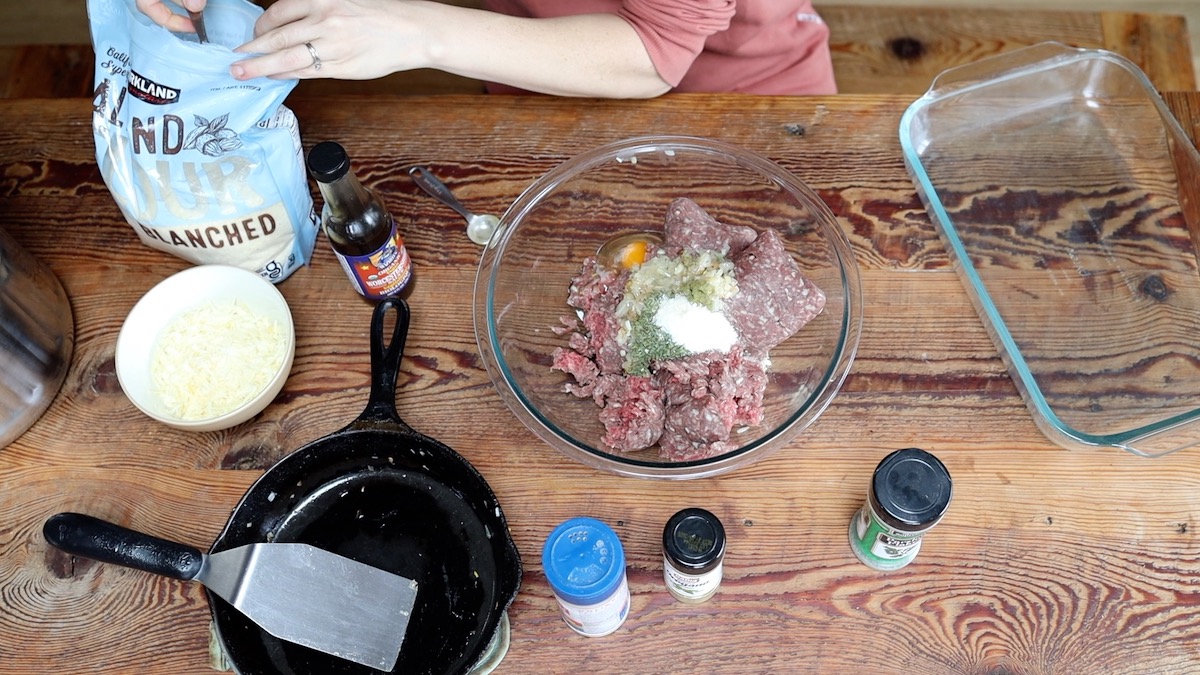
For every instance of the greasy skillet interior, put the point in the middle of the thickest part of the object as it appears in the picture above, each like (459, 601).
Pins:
(385, 495)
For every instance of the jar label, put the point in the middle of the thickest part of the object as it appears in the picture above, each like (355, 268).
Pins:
(879, 546)
(600, 618)
(382, 273)
(890, 548)
(691, 586)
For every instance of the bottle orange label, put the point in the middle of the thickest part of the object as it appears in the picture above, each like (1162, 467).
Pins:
(383, 273)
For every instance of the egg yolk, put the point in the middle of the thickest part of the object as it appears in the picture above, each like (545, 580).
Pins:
(633, 253)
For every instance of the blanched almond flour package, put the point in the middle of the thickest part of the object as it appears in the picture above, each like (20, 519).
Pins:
(201, 165)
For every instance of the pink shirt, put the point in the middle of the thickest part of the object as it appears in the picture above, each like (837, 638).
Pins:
(751, 46)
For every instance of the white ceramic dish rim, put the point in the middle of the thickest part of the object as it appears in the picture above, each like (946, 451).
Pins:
(161, 304)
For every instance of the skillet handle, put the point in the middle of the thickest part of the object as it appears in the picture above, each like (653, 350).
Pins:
(385, 362)
(107, 542)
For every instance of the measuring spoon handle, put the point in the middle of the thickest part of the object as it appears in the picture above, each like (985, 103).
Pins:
(429, 183)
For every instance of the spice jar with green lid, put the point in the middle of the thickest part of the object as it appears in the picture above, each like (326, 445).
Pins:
(910, 492)
(693, 554)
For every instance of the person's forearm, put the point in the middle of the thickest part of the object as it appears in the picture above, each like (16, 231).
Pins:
(585, 55)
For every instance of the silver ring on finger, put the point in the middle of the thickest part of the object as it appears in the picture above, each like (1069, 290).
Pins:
(316, 64)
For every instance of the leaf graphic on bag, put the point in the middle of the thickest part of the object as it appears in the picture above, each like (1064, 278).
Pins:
(200, 125)
(190, 143)
(212, 138)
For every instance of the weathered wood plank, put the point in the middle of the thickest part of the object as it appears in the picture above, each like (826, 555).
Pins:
(1152, 41)
(54, 71)
(902, 49)
(1187, 110)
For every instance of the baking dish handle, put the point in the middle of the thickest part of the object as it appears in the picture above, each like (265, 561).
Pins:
(995, 67)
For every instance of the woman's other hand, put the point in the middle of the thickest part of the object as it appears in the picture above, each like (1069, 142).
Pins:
(350, 39)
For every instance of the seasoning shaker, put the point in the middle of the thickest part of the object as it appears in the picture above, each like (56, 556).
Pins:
(37, 338)
(585, 565)
(910, 492)
(693, 554)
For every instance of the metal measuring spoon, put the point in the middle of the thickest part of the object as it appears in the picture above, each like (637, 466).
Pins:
(479, 227)
(198, 22)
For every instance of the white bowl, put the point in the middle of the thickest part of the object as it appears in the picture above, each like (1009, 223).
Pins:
(178, 295)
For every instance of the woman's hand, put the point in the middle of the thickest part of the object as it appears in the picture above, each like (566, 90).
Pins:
(161, 14)
(582, 55)
(353, 40)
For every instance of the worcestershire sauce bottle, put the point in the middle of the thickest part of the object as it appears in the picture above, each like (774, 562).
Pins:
(360, 229)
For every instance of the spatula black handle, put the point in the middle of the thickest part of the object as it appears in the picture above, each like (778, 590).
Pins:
(106, 542)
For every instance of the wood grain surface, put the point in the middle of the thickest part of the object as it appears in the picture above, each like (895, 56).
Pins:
(875, 49)
(1048, 561)
(902, 49)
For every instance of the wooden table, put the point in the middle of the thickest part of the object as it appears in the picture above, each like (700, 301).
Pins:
(1048, 560)
(900, 50)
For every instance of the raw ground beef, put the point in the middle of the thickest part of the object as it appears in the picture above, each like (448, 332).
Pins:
(774, 299)
(707, 396)
(596, 291)
(633, 414)
(688, 407)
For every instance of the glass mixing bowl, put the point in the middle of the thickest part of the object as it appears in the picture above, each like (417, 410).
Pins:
(622, 188)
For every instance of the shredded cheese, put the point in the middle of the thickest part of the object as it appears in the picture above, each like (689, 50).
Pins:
(215, 358)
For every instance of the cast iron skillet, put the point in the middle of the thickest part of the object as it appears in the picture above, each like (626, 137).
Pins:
(381, 493)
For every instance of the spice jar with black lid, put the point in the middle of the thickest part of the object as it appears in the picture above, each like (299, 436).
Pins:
(910, 492)
(693, 554)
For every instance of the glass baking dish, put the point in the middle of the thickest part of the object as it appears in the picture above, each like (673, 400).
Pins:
(1066, 193)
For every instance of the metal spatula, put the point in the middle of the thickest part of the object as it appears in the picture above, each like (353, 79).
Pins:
(295, 592)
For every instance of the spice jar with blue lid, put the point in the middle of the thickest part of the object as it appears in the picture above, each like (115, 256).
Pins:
(585, 565)
(910, 492)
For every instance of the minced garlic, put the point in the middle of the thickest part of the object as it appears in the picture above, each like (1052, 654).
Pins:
(215, 358)
(703, 277)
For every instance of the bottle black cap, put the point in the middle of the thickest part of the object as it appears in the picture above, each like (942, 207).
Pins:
(327, 161)
(911, 490)
(694, 540)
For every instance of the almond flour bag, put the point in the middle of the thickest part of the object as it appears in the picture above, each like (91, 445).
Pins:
(201, 165)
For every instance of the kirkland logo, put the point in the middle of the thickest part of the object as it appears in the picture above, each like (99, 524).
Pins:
(151, 92)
